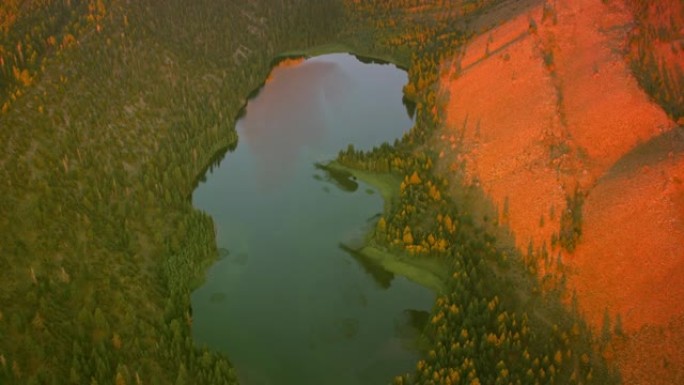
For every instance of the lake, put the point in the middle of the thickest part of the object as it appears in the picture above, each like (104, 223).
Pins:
(285, 302)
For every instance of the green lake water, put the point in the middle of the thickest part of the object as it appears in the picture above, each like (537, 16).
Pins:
(285, 302)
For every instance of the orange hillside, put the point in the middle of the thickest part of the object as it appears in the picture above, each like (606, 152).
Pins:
(546, 103)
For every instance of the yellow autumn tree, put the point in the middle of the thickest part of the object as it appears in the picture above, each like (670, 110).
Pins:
(414, 179)
(449, 224)
(434, 193)
(120, 380)
(68, 40)
(22, 76)
(441, 245)
(408, 236)
(382, 225)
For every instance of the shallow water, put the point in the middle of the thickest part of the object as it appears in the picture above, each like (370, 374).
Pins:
(285, 302)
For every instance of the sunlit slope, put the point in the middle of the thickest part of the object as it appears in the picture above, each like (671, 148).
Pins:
(545, 107)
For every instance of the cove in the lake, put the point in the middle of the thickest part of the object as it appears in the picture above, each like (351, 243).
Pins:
(287, 302)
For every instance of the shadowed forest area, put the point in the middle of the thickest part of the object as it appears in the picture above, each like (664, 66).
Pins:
(112, 111)
(657, 52)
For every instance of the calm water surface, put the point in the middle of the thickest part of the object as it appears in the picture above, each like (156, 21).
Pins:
(285, 303)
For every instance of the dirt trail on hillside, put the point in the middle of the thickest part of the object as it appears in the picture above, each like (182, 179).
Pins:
(544, 104)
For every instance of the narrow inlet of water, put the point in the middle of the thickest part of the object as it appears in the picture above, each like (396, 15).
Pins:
(285, 303)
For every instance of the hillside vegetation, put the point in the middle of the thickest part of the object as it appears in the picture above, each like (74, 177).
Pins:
(112, 110)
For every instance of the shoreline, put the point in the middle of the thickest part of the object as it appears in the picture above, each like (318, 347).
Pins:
(332, 48)
(421, 270)
(428, 272)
